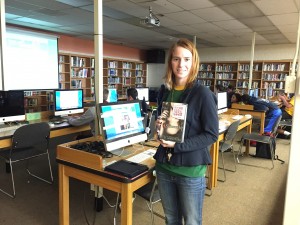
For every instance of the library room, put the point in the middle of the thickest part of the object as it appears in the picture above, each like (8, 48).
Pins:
(149, 112)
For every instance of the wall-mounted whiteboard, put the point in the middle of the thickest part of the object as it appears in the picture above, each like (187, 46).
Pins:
(30, 61)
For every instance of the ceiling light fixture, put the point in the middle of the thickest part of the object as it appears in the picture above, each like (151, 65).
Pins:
(151, 20)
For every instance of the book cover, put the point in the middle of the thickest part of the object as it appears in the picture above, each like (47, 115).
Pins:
(173, 116)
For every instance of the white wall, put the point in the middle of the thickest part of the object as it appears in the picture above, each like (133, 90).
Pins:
(155, 73)
(263, 52)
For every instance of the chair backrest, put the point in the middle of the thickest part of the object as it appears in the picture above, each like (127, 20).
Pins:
(276, 124)
(231, 131)
(36, 134)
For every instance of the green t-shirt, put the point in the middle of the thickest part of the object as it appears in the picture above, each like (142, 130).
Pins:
(186, 171)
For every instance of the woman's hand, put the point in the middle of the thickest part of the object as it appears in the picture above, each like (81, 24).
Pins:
(167, 144)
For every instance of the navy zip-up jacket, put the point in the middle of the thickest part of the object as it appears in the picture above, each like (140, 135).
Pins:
(201, 131)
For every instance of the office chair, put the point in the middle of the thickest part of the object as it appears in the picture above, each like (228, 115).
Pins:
(29, 141)
(150, 193)
(227, 144)
(262, 139)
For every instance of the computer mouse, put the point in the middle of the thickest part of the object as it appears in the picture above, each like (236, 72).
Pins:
(51, 124)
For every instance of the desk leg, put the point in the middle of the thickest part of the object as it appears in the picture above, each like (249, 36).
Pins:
(212, 181)
(64, 207)
(262, 123)
(249, 129)
(126, 206)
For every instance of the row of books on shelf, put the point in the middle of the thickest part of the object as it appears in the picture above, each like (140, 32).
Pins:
(273, 85)
(274, 67)
(76, 83)
(205, 82)
(62, 68)
(32, 93)
(246, 67)
(272, 76)
(206, 67)
(225, 68)
(78, 61)
(113, 80)
(225, 76)
(244, 84)
(209, 75)
(125, 73)
(243, 75)
(81, 73)
(223, 83)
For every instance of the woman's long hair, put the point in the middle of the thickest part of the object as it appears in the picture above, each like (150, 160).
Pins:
(169, 76)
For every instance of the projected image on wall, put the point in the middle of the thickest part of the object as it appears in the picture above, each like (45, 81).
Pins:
(31, 59)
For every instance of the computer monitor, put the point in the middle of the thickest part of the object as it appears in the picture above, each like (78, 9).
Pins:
(68, 101)
(12, 106)
(143, 93)
(121, 124)
(112, 95)
(222, 102)
(153, 92)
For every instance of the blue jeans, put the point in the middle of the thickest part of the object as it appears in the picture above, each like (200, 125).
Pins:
(271, 118)
(182, 198)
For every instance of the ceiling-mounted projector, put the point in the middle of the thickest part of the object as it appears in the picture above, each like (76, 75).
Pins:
(151, 20)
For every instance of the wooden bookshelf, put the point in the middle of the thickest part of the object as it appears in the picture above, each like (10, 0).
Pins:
(123, 74)
(38, 101)
(267, 76)
(76, 72)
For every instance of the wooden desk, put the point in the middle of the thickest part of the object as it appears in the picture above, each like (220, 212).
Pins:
(87, 167)
(249, 109)
(258, 114)
(56, 131)
(214, 150)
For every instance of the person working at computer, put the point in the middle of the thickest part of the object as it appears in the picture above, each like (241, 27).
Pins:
(132, 94)
(87, 118)
(181, 167)
(272, 110)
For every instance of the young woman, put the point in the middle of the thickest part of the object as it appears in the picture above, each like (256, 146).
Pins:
(181, 167)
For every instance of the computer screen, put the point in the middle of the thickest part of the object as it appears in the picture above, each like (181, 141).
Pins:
(121, 124)
(11, 106)
(143, 93)
(112, 95)
(153, 92)
(68, 102)
(222, 102)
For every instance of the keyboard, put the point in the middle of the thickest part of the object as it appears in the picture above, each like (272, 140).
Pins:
(9, 128)
(142, 156)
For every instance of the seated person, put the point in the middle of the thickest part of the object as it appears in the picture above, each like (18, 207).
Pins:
(271, 109)
(230, 92)
(87, 118)
(287, 110)
(132, 94)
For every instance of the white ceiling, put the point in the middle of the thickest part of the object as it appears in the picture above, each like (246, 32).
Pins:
(215, 23)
